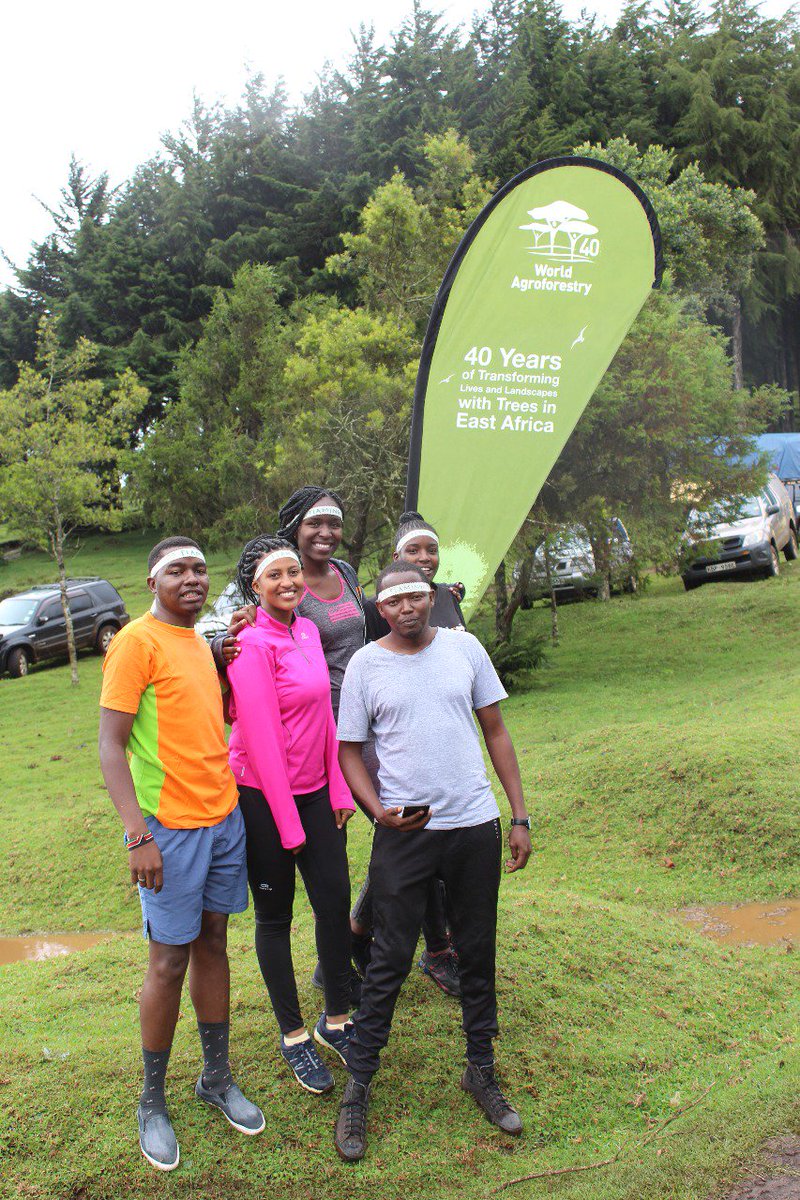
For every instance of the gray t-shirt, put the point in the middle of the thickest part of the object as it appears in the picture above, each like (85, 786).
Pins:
(419, 709)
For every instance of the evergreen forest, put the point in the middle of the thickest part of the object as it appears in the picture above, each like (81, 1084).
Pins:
(268, 276)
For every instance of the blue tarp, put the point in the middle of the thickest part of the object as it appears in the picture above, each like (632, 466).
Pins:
(784, 452)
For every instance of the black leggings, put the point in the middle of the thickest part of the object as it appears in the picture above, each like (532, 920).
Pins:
(271, 873)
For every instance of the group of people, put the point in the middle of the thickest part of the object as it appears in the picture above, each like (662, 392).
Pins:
(335, 701)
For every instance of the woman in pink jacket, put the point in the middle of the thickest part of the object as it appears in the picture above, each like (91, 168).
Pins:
(294, 800)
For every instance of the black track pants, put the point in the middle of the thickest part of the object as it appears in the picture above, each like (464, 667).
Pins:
(401, 869)
(434, 921)
(271, 873)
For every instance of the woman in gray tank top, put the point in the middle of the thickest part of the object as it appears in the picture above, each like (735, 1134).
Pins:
(312, 519)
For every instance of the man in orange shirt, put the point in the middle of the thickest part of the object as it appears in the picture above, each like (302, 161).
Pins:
(165, 763)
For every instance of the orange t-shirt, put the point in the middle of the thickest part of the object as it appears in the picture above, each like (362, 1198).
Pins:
(165, 674)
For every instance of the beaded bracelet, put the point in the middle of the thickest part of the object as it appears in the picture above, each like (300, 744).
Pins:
(135, 843)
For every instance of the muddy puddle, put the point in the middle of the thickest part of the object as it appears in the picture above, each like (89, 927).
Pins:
(774, 924)
(41, 946)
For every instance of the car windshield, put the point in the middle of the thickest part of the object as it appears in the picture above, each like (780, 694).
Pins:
(17, 610)
(736, 509)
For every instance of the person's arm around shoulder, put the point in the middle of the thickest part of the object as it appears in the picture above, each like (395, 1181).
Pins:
(125, 677)
(487, 692)
(225, 646)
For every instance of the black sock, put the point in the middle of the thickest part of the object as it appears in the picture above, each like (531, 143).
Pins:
(216, 1065)
(152, 1098)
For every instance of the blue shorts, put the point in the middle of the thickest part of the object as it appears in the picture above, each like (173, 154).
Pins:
(205, 870)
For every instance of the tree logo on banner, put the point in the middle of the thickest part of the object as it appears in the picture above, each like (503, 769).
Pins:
(562, 231)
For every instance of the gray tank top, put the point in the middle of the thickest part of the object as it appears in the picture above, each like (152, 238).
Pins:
(341, 629)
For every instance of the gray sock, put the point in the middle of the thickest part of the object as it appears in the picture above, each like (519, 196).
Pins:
(152, 1098)
(216, 1065)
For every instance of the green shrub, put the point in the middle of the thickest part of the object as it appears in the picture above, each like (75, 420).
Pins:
(516, 659)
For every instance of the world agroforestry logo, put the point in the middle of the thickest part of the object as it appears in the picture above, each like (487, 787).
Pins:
(562, 233)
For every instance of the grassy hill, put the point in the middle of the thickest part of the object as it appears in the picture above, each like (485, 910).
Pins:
(659, 754)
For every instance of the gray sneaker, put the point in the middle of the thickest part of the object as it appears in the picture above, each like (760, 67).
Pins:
(157, 1140)
(236, 1108)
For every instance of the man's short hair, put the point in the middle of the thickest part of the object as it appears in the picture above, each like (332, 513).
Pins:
(402, 567)
(170, 543)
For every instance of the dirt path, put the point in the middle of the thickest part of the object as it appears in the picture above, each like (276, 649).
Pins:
(780, 1177)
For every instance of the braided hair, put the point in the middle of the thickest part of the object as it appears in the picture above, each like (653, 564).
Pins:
(251, 556)
(294, 510)
(409, 522)
(400, 567)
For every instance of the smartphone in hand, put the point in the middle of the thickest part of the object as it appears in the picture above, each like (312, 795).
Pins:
(411, 810)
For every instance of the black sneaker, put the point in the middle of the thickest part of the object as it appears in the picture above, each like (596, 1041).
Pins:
(443, 970)
(350, 1137)
(316, 979)
(309, 1069)
(480, 1081)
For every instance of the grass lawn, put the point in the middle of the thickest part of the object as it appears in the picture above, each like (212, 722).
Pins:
(659, 753)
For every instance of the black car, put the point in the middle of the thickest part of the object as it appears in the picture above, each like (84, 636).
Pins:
(32, 625)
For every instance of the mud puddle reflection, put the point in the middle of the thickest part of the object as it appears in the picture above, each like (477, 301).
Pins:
(40, 947)
(774, 924)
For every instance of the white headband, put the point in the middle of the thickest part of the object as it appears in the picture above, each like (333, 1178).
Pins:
(417, 533)
(403, 589)
(275, 554)
(324, 510)
(175, 556)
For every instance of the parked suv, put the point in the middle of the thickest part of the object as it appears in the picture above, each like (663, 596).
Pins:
(32, 625)
(572, 567)
(748, 543)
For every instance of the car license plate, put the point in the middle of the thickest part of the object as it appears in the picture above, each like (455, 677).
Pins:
(712, 568)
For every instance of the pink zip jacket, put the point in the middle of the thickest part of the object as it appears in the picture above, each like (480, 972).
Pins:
(283, 739)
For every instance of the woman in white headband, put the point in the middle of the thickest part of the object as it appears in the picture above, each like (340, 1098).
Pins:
(293, 798)
(312, 521)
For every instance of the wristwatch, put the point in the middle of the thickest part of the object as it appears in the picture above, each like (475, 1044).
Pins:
(526, 821)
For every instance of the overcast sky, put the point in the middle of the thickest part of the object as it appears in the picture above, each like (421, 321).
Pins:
(103, 81)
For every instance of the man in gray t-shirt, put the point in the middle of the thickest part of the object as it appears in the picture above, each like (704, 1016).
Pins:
(417, 692)
(419, 708)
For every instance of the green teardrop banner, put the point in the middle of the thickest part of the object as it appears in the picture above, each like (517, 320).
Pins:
(538, 297)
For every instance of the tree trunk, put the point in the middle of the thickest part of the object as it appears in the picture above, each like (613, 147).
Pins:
(500, 595)
(553, 606)
(57, 542)
(736, 345)
(504, 619)
(355, 547)
(602, 563)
